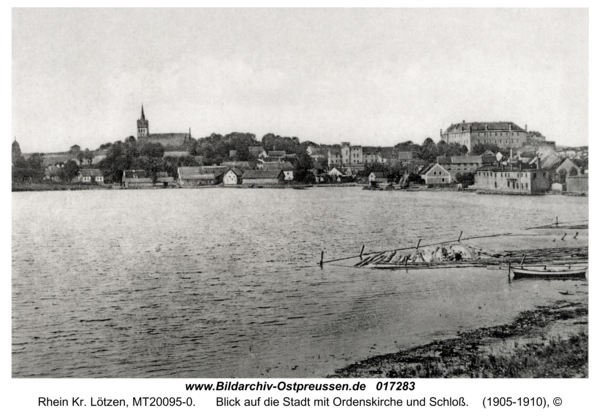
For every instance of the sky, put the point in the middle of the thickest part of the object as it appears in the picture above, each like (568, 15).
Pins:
(374, 77)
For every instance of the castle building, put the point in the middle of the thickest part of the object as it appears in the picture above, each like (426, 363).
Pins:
(504, 134)
(171, 141)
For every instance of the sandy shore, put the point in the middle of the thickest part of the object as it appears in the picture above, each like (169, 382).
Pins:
(548, 342)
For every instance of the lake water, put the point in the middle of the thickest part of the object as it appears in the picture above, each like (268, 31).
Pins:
(225, 283)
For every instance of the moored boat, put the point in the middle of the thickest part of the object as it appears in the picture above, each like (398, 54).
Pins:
(549, 272)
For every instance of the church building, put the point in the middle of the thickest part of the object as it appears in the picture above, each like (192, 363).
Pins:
(171, 141)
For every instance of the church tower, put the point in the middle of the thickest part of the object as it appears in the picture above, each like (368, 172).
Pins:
(143, 129)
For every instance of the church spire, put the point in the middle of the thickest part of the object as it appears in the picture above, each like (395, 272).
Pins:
(143, 128)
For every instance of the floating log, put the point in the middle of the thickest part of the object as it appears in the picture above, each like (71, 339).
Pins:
(461, 256)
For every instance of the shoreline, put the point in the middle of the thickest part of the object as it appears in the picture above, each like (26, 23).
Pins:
(547, 342)
(34, 187)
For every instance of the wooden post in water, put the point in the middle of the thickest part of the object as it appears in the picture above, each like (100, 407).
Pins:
(361, 252)
(523, 260)
(509, 271)
(563, 238)
(459, 236)
(556, 221)
(575, 237)
(418, 243)
(321, 263)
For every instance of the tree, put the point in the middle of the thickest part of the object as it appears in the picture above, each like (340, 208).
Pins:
(88, 156)
(428, 143)
(36, 161)
(303, 167)
(152, 150)
(69, 171)
(80, 157)
(74, 150)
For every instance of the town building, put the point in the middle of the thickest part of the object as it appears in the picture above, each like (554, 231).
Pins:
(436, 174)
(90, 175)
(570, 167)
(340, 174)
(460, 164)
(377, 178)
(232, 177)
(578, 184)
(334, 156)
(509, 180)
(503, 134)
(355, 155)
(196, 176)
(262, 177)
(136, 178)
(286, 167)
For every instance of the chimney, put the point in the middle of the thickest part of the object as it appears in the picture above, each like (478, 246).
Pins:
(525, 128)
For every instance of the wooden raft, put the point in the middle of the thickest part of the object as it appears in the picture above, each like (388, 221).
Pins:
(467, 256)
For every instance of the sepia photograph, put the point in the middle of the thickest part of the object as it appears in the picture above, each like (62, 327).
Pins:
(302, 193)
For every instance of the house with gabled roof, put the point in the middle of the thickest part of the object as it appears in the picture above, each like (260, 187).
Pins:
(436, 174)
(232, 177)
(136, 178)
(90, 175)
(337, 174)
(262, 177)
(377, 177)
(196, 176)
(460, 164)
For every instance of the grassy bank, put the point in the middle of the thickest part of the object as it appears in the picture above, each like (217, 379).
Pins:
(549, 342)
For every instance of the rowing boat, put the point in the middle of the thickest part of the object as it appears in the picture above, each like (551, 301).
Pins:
(549, 272)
